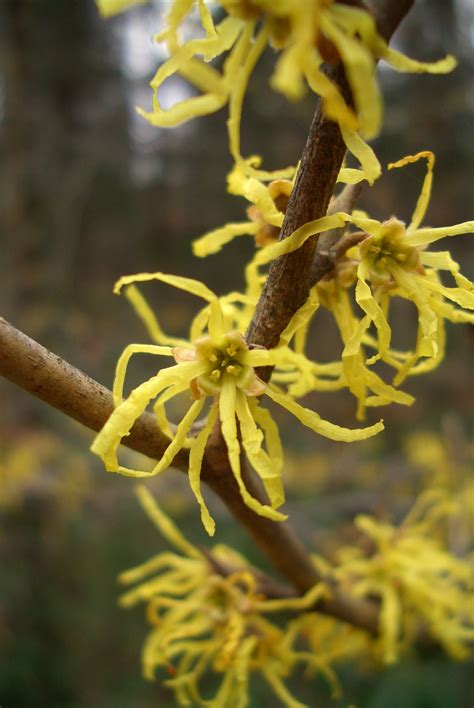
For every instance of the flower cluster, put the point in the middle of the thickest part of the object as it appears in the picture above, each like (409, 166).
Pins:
(207, 622)
(216, 364)
(217, 367)
(382, 261)
(392, 261)
(304, 35)
(420, 585)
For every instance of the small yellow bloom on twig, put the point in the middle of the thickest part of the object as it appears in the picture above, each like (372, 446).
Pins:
(218, 365)
(305, 35)
(204, 623)
(420, 585)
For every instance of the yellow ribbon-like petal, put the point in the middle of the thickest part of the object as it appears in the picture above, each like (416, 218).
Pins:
(189, 285)
(195, 463)
(323, 427)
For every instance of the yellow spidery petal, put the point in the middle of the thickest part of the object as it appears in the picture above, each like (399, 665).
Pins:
(400, 62)
(224, 694)
(204, 77)
(124, 358)
(412, 366)
(441, 260)
(227, 414)
(239, 79)
(175, 445)
(363, 23)
(189, 285)
(360, 379)
(335, 107)
(270, 428)
(264, 357)
(424, 198)
(253, 54)
(290, 68)
(426, 317)
(360, 69)
(199, 324)
(452, 314)
(164, 524)
(206, 19)
(424, 236)
(207, 79)
(306, 602)
(369, 305)
(371, 226)
(177, 13)
(213, 241)
(280, 689)
(124, 416)
(312, 420)
(300, 319)
(287, 77)
(298, 237)
(252, 439)
(350, 175)
(159, 562)
(371, 168)
(216, 320)
(195, 463)
(461, 296)
(229, 427)
(186, 110)
(256, 192)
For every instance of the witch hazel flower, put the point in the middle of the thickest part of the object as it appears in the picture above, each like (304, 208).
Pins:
(217, 371)
(205, 624)
(393, 261)
(305, 37)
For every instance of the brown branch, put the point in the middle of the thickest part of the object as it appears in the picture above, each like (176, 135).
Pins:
(48, 377)
(287, 285)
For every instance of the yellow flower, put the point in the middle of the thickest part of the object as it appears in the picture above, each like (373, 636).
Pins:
(393, 262)
(303, 375)
(268, 207)
(390, 260)
(221, 366)
(206, 624)
(305, 33)
(367, 386)
(414, 577)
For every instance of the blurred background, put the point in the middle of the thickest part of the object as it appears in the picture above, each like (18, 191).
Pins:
(89, 192)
